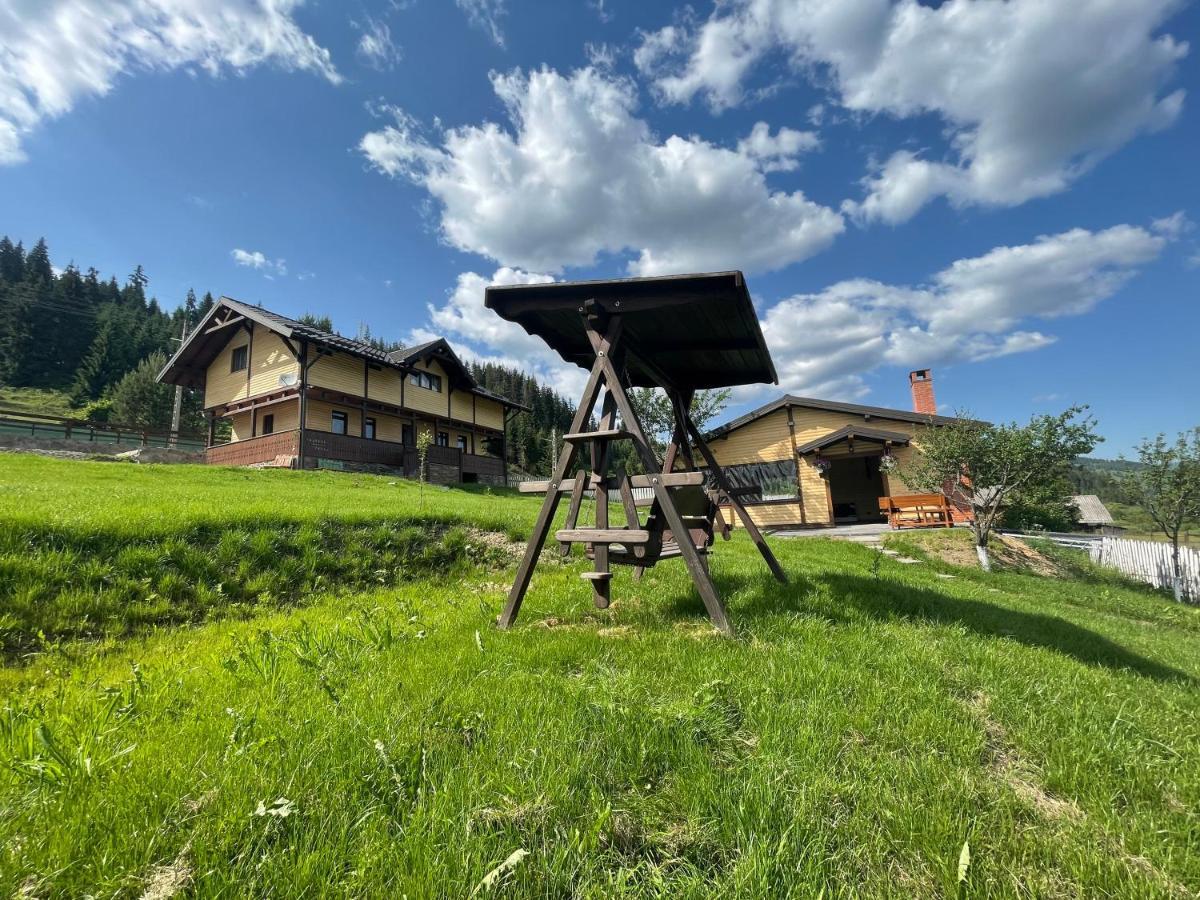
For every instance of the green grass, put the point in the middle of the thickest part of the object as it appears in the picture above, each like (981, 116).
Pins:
(37, 401)
(870, 719)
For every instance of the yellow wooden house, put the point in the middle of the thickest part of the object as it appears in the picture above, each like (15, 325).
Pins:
(302, 397)
(807, 462)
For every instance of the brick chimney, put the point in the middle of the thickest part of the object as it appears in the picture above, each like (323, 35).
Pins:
(921, 382)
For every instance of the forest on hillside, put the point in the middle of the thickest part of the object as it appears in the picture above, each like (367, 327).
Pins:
(101, 343)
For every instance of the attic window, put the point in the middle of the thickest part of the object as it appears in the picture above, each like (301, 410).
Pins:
(427, 380)
(238, 360)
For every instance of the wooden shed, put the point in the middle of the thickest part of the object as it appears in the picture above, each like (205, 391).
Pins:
(806, 462)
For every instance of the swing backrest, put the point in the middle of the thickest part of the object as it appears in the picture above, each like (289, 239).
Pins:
(698, 511)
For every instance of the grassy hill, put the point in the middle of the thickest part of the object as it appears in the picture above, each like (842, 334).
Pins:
(351, 723)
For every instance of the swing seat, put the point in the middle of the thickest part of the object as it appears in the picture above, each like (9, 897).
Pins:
(698, 511)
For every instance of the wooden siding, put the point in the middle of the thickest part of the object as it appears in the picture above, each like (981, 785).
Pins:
(286, 413)
(425, 400)
(240, 426)
(460, 406)
(763, 440)
(319, 416)
(384, 385)
(489, 413)
(767, 515)
(340, 372)
(270, 359)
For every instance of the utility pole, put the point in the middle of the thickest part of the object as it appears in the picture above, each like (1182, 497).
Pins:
(178, 409)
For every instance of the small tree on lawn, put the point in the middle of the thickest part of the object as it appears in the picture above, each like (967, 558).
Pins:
(424, 439)
(1167, 486)
(983, 466)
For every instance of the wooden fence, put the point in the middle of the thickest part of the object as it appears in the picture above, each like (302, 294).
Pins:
(1149, 561)
(19, 423)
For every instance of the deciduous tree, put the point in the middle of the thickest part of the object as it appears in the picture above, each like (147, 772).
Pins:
(1167, 486)
(984, 466)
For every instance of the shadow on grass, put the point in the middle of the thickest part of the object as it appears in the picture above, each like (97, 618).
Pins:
(852, 596)
(887, 600)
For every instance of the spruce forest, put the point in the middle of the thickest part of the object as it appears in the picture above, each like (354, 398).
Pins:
(101, 342)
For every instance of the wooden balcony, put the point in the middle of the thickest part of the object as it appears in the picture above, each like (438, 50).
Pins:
(447, 465)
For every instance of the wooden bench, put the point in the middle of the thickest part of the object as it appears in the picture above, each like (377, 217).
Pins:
(917, 511)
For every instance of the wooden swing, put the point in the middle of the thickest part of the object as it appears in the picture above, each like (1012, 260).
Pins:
(680, 333)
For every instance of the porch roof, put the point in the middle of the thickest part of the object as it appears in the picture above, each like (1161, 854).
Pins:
(854, 433)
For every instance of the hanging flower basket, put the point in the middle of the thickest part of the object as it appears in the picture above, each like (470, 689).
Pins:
(887, 463)
(822, 465)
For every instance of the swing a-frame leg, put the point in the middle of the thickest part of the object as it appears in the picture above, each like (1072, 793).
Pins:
(636, 545)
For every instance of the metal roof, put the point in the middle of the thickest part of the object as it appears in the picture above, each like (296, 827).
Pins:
(856, 409)
(1091, 510)
(851, 432)
(700, 331)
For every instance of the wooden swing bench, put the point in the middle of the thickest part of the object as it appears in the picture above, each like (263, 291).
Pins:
(628, 333)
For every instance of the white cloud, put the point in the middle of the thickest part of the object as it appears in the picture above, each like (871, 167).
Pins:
(54, 53)
(579, 175)
(485, 15)
(778, 153)
(376, 48)
(1033, 93)
(1173, 226)
(478, 333)
(256, 259)
(975, 309)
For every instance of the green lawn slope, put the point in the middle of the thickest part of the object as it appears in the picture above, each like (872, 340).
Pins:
(876, 730)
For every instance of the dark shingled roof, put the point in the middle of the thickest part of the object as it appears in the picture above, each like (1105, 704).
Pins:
(700, 331)
(187, 366)
(856, 409)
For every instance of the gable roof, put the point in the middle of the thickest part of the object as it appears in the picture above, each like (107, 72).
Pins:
(850, 432)
(190, 362)
(855, 409)
(1091, 510)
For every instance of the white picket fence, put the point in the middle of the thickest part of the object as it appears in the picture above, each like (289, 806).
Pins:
(1149, 561)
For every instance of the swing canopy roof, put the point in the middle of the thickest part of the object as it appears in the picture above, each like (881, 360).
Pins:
(695, 331)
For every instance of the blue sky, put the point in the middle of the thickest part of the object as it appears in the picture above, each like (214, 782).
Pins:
(1001, 191)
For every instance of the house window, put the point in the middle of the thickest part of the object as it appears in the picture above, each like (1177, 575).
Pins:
(268, 423)
(339, 423)
(443, 439)
(239, 358)
(462, 443)
(369, 429)
(427, 380)
(406, 435)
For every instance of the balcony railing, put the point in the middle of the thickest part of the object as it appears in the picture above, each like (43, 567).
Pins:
(446, 464)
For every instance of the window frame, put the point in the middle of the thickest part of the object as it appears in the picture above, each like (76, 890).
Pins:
(369, 428)
(408, 435)
(336, 416)
(268, 424)
(243, 353)
(427, 380)
(442, 439)
(461, 442)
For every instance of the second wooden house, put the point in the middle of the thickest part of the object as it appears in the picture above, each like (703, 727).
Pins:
(299, 396)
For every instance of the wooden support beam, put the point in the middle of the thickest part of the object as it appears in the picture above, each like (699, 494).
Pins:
(566, 459)
(600, 536)
(723, 484)
(566, 485)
